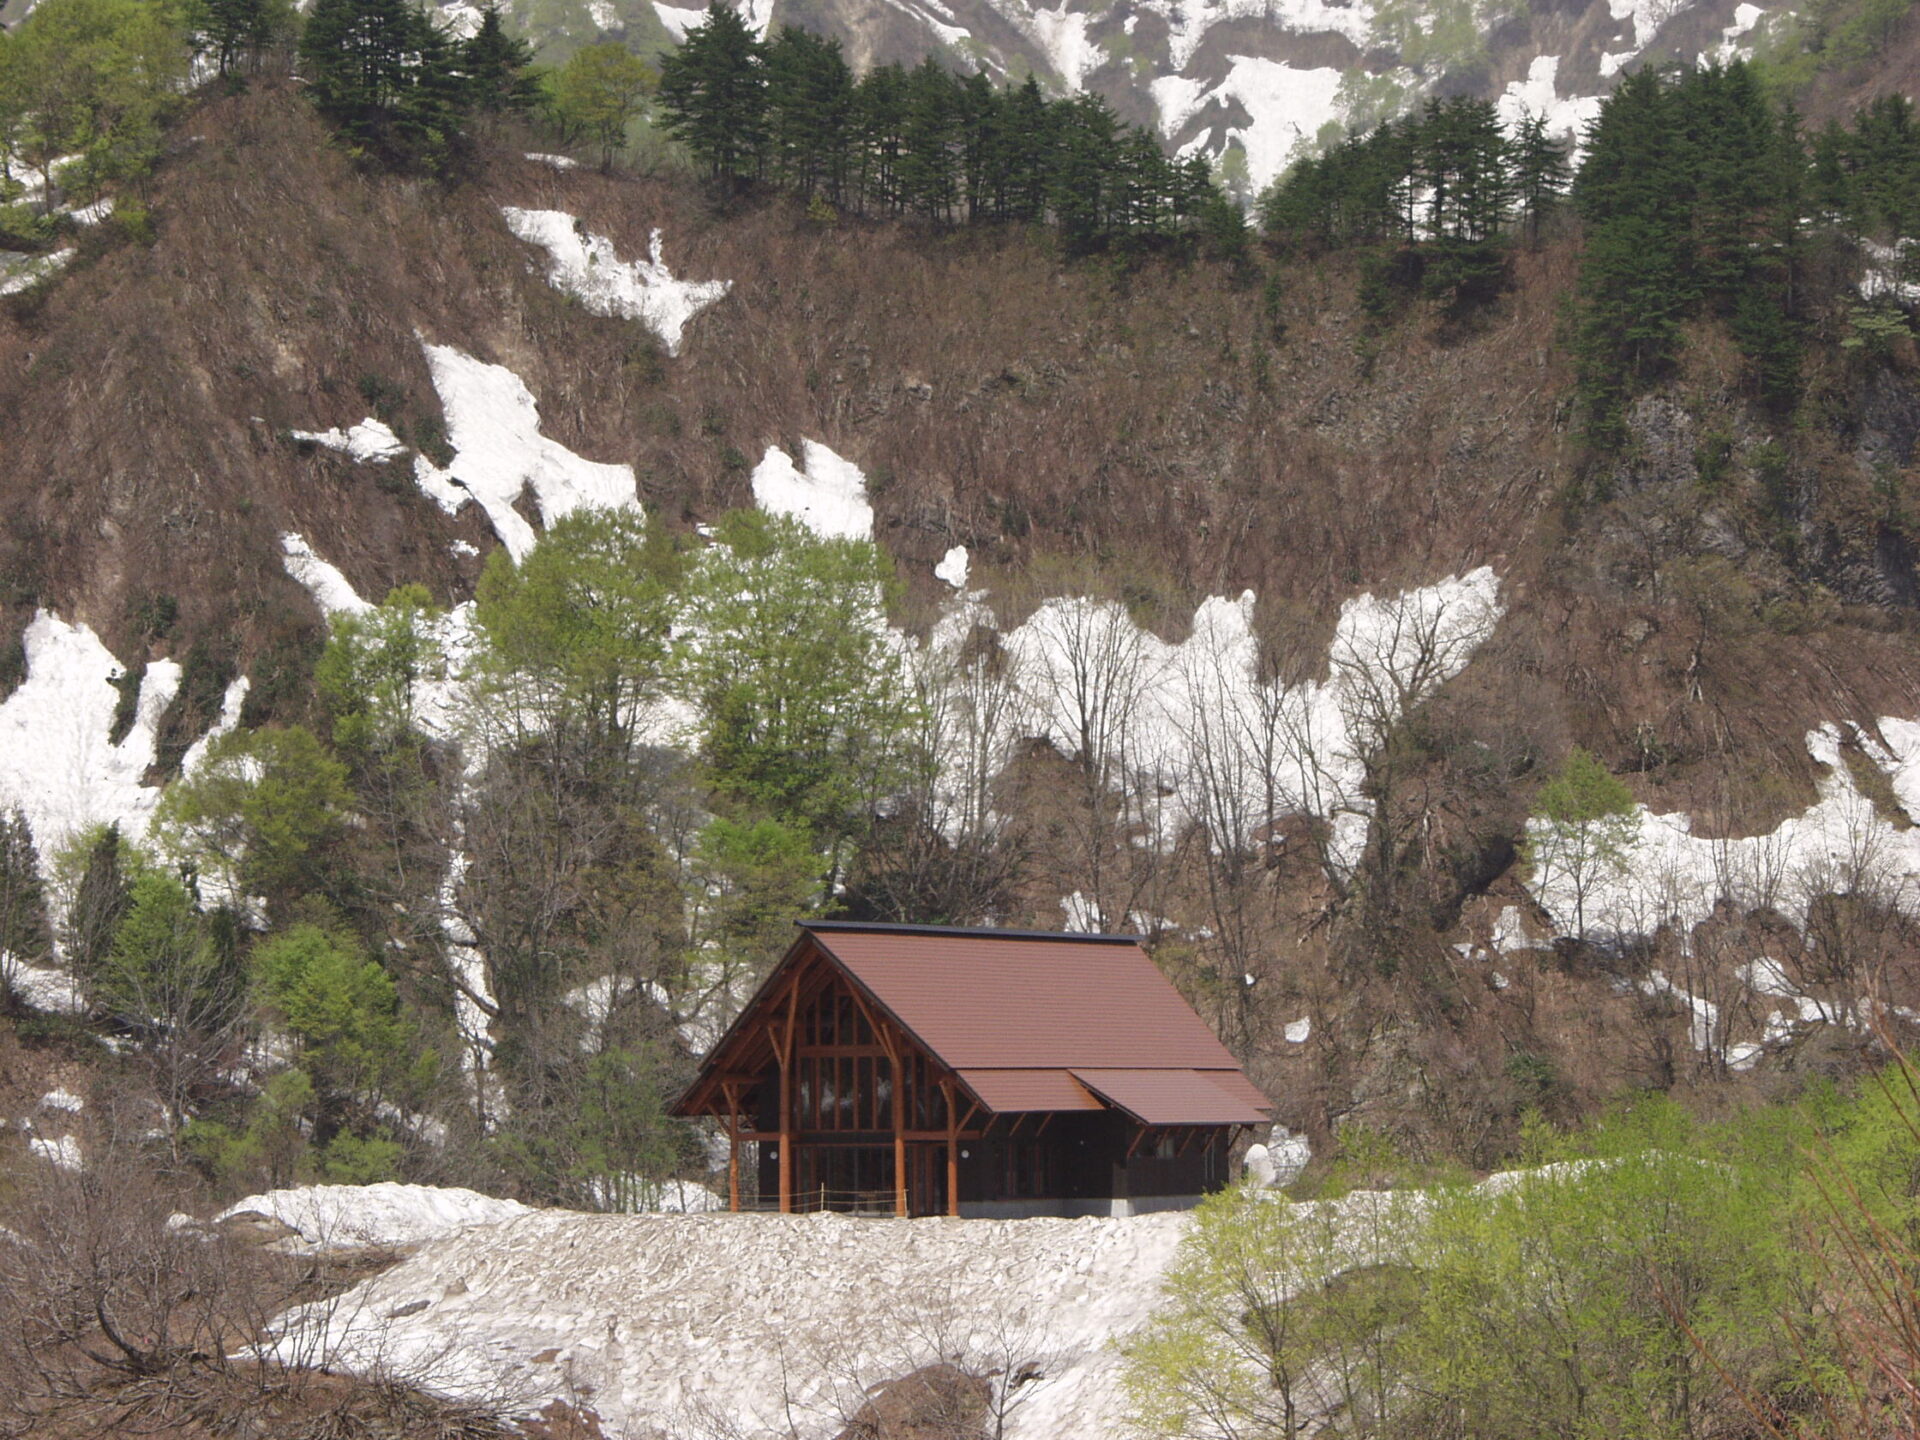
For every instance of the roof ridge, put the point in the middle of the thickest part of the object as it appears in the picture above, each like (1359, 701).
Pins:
(971, 931)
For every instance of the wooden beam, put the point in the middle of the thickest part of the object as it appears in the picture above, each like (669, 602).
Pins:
(786, 1093)
(897, 1088)
(732, 1093)
(1145, 1130)
(953, 1147)
(1045, 1123)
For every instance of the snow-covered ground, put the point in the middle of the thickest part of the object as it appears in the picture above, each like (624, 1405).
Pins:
(586, 266)
(21, 272)
(686, 1325)
(383, 1216)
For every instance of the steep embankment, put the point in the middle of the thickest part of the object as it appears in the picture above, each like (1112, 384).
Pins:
(1145, 430)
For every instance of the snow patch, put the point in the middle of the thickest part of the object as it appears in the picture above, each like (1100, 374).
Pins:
(331, 590)
(62, 1150)
(1539, 94)
(386, 1215)
(58, 763)
(825, 492)
(586, 266)
(63, 1100)
(558, 162)
(1062, 37)
(1286, 108)
(493, 425)
(1298, 1032)
(369, 441)
(679, 20)
(1666, 875)
(953, 567)
(22, 272)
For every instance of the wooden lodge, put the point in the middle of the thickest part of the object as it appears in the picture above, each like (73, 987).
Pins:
(918, 1070)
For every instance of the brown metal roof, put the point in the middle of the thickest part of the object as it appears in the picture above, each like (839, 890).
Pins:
(987, 1000)
(1015, 1092)
(1169, 1097)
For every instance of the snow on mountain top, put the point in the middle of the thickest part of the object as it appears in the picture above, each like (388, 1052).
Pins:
(824, 492)
(350, 1217)
(1539, 94)
(586, 266)
(370, 440)
(749, 1320)
(493, 424)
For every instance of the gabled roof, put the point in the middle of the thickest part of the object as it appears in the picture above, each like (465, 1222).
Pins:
(1036, 1020)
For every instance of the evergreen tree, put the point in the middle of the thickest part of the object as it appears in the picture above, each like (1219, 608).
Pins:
(1081, 182)
(879, 119)
(499, 69)
(383, 73)
(713, 95)
(930, 128)
(24, 936)
(809, 113)
(1541, 172)
(236, 31)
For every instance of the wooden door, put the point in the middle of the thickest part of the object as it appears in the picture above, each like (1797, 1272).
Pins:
(926, 1179)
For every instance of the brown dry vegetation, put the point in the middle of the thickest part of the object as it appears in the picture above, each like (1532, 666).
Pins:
(1148, 426)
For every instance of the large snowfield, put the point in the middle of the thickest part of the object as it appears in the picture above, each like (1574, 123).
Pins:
(755, 1325)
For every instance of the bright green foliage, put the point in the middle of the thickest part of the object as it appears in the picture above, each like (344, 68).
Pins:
(352, 1159)
(94, 78)
(759, 877)
(343, 1010)
(625, 1141)
(1275, 1311)
(269, 1149)
(803, 711)
(1588, 821)
(366, 675)
(599, 93)
(1570, 1301)
(577, 634)
(265, 808)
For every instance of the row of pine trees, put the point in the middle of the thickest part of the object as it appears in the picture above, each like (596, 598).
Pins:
(789, 113)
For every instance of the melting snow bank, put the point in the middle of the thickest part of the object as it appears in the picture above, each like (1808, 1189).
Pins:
(824, 492)
(586, 266)
(493, 425)
(743, 1325)
(1667, 876)
(383, 1216)
(22, 272)
(371, 441)
(59, 764)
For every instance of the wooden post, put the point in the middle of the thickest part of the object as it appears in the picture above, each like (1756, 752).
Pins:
(732, 1092)
(897, 1070)
(953, 1147)
(786, 1098)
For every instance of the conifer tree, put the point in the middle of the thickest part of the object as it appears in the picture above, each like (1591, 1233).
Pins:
(713, 95)
(809, 112)
(499, 68)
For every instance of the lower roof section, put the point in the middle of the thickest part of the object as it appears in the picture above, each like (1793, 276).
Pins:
(1152, 1097)
(1170, 1097)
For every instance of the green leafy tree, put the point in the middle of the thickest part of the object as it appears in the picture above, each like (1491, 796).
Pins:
(578, 633)
(265, 810)
(599, 93)
(341, 1009)
(386, 76)
(93, 78)
(173, 980)
(1585, 832)
(373, 663)
(803, 710)
(237, 33)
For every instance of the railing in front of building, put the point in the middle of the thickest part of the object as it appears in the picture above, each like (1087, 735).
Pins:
(820, 1199)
